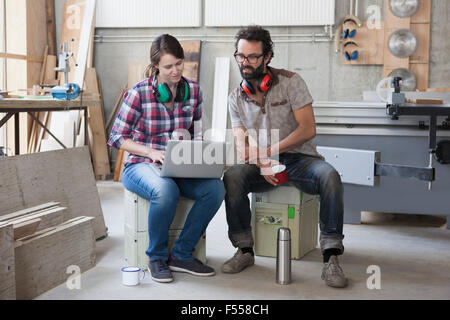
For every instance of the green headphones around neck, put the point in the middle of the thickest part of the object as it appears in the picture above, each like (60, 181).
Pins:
(164, 94)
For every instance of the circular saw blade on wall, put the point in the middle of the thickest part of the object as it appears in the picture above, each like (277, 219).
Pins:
(409, 82)
(402, 43)
(403, 8)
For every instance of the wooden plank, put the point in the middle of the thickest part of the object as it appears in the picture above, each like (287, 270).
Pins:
(136, 72)
(50, 74)
(72, 18)
(122, 164)
(117, 104)
(85, 35)
(370, 45)
(42, 260)
(7, 263)
(419, 63)
(421, 72)
(44, 66)
(192, 50)
(39, 208)
(41, 131)
(99, 150)
(51, 26)
(49, 218)
(25, 228)
(77, 24)
(423, 13)
(391, 24)
(422, 53)
(119, 161)
(90, 81)
(21, 185)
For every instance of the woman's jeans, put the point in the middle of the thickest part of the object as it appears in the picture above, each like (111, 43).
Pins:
(163, 193)
(309, 174)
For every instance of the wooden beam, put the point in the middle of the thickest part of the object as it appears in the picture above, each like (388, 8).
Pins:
(39, 208)
(25, 228)
(51, 26)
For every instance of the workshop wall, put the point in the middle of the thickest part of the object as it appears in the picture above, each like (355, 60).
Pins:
(317, 63)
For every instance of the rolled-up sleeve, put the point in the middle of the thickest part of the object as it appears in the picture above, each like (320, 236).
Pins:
(128, 115)
(298, 93)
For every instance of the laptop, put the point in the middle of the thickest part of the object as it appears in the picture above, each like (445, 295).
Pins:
(194, 159)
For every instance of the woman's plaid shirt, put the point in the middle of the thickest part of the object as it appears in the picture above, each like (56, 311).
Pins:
(147, 121)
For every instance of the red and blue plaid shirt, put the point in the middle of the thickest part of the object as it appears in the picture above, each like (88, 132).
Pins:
(147, 121)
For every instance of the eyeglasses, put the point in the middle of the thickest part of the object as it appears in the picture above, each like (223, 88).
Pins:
(240, 58)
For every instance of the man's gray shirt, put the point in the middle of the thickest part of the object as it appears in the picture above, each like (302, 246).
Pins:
(287, 93)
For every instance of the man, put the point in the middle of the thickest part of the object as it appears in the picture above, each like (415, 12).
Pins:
(274, 99)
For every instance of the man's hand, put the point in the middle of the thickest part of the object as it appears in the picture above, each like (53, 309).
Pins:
(266, 170)
(256, 154)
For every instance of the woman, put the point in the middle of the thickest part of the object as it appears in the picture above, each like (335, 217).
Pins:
(154, 111)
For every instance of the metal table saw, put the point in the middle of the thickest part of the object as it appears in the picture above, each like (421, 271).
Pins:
(378, 138)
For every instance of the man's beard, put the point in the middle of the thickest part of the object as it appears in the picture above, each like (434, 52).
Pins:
(256, 74)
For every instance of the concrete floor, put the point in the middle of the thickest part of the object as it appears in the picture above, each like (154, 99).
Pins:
(413, 259)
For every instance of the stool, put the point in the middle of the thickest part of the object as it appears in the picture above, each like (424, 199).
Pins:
(136, 229)
(288, 207)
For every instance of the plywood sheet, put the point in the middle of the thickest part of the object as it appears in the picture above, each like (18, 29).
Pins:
(42, 260)
(64, 176)
(370, 45)
(7, 263)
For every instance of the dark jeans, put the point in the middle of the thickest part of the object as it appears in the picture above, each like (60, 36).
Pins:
(309, 174)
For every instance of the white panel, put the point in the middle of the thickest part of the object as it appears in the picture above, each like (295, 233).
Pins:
(269, 12)
(148, 13)
(354, 166)
(220, 100)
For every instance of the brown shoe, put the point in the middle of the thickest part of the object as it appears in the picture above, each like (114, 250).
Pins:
(238, 262)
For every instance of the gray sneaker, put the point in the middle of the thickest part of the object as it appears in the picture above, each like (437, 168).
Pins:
(239, 262)
(333, 275)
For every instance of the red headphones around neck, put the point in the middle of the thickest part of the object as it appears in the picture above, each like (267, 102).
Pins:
(263, 84)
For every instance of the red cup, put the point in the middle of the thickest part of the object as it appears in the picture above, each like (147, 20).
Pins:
(280, 173)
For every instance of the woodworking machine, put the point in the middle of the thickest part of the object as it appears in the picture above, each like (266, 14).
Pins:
(363, 167)
(68, 91)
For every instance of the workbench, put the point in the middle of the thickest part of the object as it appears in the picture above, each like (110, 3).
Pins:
(92, 111)
(366, 126)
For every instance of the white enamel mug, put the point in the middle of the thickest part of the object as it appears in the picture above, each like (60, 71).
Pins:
(131, 276)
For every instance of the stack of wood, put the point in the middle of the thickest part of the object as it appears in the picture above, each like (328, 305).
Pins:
(37, 247)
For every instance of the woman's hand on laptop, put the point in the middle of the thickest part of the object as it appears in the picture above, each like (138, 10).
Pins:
(156, 155)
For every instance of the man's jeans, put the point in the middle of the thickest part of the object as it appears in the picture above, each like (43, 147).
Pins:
(309, 174)
(163, 193)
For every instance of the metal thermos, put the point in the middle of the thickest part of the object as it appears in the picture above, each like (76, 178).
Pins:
(284, 256)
